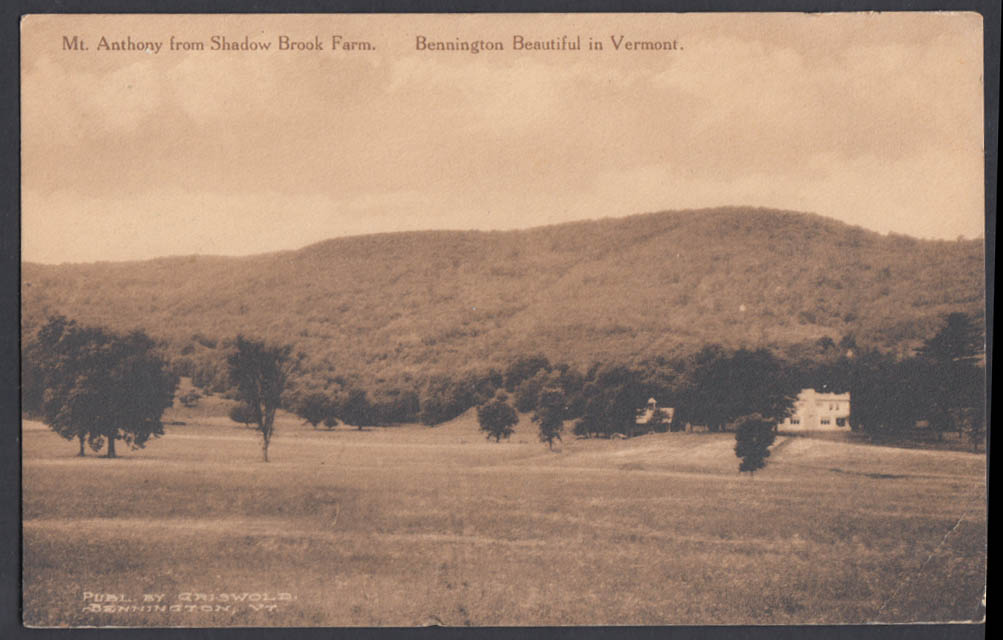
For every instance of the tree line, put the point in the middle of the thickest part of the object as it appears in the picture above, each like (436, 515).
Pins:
(97, 386)
(940, 385)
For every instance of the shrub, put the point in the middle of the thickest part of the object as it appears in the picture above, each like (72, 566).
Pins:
(190, 399)
(244, 414)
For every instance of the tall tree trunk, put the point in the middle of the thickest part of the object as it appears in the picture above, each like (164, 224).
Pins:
(111, 447)
(80, 437)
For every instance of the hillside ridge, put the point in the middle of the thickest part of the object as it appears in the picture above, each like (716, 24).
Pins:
(407, 304)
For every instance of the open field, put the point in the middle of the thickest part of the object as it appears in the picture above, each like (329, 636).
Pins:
(413, 526)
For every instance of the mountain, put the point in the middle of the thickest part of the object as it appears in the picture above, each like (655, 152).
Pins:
(401, 305)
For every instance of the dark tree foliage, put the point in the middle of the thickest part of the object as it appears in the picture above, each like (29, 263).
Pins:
(443, 398)
(610, 401)
(972, 424)
(590, 422)
(259, 372)
(828, 367)
(621, 394)
(575, 405)
(700, 394)
(101, 386)
(572, 382)
(886, 395)
(831, 376)
(848, 344)
(352, 405)
(357, 410)
(944, 385)
(32, 377)
(763, 385)
(549, 415)
(720, 387)
(243, 413)
(313, 407)
(959, 341)
(524, 368)
(486, 385)
(953, 380)
(497, 418)
(395, 407)
(662, 379)
(436, 409)
(528, 392)
(582, 428)
(438, 402)
(753, 437)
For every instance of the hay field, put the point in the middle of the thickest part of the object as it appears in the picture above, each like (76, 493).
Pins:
(412, 526)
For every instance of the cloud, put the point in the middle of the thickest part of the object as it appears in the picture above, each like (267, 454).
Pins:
(886, 99)
(928, 195)
(229, 88)
(505, 99)
(70, 105)
(876, 120)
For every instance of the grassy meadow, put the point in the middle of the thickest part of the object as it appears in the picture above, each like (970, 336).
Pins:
(413, 526)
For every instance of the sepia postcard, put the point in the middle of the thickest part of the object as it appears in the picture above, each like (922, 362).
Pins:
(411, 320)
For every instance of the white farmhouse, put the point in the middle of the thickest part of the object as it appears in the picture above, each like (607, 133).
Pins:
(818, 411)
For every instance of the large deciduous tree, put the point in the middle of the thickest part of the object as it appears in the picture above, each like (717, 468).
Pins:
(720, 388)
(610, 400)
(549, 415)
(888, 396)
(100, 386)
(497, 417)
(259, 371)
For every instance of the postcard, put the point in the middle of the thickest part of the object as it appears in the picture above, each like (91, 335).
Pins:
(503, 319)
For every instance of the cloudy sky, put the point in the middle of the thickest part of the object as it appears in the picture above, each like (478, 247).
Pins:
(874, 119)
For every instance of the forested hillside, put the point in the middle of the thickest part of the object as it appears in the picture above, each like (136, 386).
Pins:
(402, 306)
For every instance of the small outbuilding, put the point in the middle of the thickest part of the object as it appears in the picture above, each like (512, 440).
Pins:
(654, 417)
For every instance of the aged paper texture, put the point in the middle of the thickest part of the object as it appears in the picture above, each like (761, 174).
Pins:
(503, 319)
